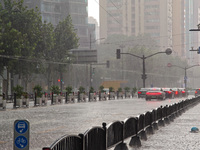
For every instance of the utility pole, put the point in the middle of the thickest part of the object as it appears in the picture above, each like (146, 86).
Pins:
(168, 51)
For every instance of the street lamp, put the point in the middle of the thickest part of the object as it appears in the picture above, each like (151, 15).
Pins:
(107, 64)
(94, 41)
(168, 51)
(184, 68)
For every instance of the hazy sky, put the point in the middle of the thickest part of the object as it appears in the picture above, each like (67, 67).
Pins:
(93, 9)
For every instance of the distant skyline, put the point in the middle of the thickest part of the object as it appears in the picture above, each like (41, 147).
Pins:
(93, 9)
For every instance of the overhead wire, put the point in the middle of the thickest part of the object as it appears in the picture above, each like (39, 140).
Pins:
(120, 24)
(108, 12)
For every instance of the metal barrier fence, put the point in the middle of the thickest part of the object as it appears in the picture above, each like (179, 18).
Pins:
(114, 134)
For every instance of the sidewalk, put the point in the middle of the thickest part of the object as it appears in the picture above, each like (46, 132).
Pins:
(177, 135)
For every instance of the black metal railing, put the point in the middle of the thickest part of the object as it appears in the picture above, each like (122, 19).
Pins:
(114, 134)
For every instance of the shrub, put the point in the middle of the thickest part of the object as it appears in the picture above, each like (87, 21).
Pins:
(18, 90)
(55, 89)
(134, 90)
(91, 90)
(119, 89)
(38, 90)
(101, 88)
(127, 89)
(81, 89)
(111, 89)
(68, 89)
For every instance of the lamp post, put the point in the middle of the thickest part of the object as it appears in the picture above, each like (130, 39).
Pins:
(94, 41)
(185, 69)
(92, 69)
(168, 51)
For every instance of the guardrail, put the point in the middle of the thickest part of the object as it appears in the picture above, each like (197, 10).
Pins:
(114, 134)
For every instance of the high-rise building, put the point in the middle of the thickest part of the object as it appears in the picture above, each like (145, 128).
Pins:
(167, 21)
(135, 17)
(56, 10)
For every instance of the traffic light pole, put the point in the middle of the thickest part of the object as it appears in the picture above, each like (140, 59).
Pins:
(144, 76)
(91, 78)
(144, 71)
(185, 69)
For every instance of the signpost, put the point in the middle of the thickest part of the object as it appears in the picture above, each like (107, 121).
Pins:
(21, 135)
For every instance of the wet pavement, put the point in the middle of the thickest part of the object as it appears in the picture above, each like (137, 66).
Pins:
(177, 135)
(48, 123)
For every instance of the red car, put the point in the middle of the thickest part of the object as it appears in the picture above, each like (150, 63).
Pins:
(155, 94)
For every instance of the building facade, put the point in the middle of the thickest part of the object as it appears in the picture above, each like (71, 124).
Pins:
(167, 21)
(56, 10)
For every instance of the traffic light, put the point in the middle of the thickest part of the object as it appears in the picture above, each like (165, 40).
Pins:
(118, 54)
(198, 52)
(108, 64)
(58, 80)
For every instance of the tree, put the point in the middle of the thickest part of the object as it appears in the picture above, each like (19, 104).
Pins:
(19, 37)
(65, 40)
(44, 51)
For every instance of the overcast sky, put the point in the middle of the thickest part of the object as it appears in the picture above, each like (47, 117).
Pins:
(93, 9)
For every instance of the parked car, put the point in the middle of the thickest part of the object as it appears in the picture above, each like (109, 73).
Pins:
(168, 92)
(142, 92)
(197, 92)
(155, 94)
(184, 92)
(177, 92)
(192, 92)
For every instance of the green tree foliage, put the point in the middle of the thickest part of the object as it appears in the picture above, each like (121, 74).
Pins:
(120, 89)
(127, 89)
(68, 89)
(55, 89)
(38, 90)
(65, 40)
(29, 45)
(111, 89)
(91, 90)
(18, 90)
(81, 89)
(101, 88)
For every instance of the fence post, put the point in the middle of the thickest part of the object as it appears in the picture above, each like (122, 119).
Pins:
(4, 96)
(135, 140)
(117, 94)
(105, 131)
(15, 100)
(79, 98)
(99, 95)
(35, 99)
(52, 99)
(89, 97)
(66, 97)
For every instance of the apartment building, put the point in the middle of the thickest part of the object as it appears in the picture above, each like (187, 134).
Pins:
(56, 10)
(167, 21)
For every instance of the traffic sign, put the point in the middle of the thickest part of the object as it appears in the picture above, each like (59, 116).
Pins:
(21, 135)
(21, 142)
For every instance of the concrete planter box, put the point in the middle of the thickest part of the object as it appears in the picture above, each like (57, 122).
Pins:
(2, 103)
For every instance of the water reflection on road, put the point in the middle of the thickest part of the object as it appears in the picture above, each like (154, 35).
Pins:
(51, 122)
